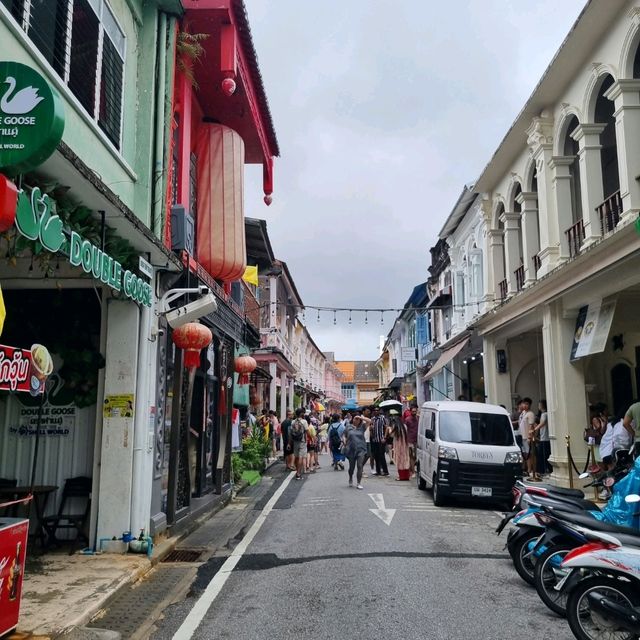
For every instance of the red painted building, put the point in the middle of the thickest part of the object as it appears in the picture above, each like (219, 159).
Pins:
(221, 121)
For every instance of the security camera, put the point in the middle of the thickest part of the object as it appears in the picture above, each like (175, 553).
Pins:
(193, 310)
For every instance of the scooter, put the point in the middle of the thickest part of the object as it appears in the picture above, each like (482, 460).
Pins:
(603, 585)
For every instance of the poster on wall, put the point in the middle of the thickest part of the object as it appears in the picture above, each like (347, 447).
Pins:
(592, 329)
(25, 369)
(55, 421)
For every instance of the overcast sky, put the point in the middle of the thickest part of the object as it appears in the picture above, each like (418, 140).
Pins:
(383, 111)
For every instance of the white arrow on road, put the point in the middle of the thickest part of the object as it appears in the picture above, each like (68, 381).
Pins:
(386, 515)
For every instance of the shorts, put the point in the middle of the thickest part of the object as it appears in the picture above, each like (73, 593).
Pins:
(299, 448)
(311, 448)
(525, 448)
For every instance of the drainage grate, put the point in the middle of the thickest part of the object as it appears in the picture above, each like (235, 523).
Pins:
(183, 555)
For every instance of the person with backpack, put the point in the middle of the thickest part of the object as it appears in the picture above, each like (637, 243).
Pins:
(355, 448)
(298, 438)
(335, 442)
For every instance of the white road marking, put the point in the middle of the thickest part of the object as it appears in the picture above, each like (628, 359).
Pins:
(386, 515)
(204, 602)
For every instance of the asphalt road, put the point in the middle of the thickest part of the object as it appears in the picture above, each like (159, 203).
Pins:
(323, 565)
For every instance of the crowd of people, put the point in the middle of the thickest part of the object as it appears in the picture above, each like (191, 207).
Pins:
(355, 438)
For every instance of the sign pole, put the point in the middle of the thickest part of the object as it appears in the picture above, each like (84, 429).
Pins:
(35, 450)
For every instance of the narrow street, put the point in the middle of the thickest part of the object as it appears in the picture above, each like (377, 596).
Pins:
(325, 562)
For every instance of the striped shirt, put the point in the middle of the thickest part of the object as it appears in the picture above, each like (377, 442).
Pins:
(378, 424)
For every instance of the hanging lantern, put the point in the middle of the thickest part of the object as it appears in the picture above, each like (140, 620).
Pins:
(243, 366)
(192, 337)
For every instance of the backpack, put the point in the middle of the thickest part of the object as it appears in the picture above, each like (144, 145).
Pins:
(334, 437)
(297, 430)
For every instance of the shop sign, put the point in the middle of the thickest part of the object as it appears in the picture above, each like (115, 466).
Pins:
(408, 354)
(31, 118)
(36, 220)
(24, 370)
(55, 421)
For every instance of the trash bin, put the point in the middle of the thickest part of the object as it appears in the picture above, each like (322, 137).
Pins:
(13, 548)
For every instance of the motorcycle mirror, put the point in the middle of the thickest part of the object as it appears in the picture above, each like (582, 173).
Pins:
(634, 497)
(584, 476)
(609, 482)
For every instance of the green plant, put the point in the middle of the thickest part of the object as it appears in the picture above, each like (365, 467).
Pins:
(189, 49)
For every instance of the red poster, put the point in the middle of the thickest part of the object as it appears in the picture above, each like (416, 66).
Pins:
(13, 548)
(24, 369)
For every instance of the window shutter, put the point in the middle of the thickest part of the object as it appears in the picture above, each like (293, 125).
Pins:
(47, 29)
(85, 32)
(111, 92)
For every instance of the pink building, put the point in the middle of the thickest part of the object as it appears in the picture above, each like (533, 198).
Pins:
(334, 398)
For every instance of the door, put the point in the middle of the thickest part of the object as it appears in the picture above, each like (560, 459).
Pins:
(431, 449)
(622, 388)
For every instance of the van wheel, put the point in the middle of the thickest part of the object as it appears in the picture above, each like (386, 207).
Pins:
(438, 500)
(422, 483)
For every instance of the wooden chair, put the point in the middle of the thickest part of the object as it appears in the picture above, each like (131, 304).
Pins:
(70, 516)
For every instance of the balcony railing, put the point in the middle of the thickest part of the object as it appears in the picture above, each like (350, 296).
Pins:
(503, 286)
(537, 263)
(519, 273)
(610, 211)
(575, 236)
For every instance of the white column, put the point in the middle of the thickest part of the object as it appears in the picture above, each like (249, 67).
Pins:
(291, 394)
(116, 457)
(497, 385)
(588, 137)
(626, 97)
(511, 222)
(283, 396)
(540, 141)
(566, 396)
(530, 234)
(496, 264)
(273, 396)
(561, 168)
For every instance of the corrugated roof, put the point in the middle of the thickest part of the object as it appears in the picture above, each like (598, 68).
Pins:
(348, 369)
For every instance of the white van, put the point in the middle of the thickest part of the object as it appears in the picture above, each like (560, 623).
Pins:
(467, 450)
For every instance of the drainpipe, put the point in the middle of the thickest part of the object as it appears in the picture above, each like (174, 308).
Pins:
(141, 483)
(158, 169)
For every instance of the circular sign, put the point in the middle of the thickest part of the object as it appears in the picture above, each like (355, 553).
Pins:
(31, 117)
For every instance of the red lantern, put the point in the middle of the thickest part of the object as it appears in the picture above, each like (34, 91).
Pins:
(8, 203)
(244, 365)
(192, 337)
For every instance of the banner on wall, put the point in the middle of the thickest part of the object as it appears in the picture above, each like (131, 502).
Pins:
(592, 329)
(55, 421)
(24, 369)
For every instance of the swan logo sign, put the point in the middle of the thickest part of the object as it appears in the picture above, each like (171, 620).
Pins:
(31, 118)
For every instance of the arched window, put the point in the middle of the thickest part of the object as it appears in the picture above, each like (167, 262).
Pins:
(571, 151)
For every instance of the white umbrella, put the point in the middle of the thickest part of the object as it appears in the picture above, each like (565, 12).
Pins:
(388, 404)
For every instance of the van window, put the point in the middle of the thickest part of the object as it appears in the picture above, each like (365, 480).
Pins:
(476, 428)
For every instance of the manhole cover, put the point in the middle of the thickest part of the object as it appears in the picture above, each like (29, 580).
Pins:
(183, 555)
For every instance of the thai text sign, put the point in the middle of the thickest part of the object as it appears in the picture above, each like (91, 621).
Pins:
(15, 366)
(31, 117)
(36, 219)
(55, 421)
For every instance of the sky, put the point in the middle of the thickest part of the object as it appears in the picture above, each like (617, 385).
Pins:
(383, 112)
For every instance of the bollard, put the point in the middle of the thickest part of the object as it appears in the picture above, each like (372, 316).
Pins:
(568, 441)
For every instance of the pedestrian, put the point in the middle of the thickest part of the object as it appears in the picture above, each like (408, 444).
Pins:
(544, 444)
(411, 423)
(355, 448)
(515, 422)
(398, 431)
(286, 441)
(597, 424)
(526, 423)
(378, 443)
(311, 449)
(324, 429)
(274, 432)
(631, 420)
(336, 429)
(265, 425)
(298, 435)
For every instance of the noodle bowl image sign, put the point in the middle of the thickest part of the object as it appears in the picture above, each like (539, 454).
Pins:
(24, 370)
(31, 118)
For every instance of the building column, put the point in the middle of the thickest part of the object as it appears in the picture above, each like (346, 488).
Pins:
(588, 137)
(530, 234)
(626, 98)
(540, 141)
(273, 395)
(511, 222)
(496, 257)
(497, 385)
(291, 394)
(283, 396)
(561, 168)
(565, 389)
(116, 455)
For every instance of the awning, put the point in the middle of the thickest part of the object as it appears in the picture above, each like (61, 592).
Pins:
(446, 356)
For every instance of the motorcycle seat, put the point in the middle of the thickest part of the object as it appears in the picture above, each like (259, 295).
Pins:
(552, 489)
(565, 504)
(595, 525)
(629, 541)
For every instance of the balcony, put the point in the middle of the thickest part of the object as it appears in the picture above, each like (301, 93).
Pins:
(504, 287)
(537, 263)
(519, 273)
(609, 212)
(575, 236)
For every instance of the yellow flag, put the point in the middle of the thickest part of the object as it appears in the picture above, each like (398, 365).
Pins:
(251, 275)
(3, 311)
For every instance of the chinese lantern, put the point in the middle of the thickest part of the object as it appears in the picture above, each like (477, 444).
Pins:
(8, 203)
(192, 337)
(243, 366)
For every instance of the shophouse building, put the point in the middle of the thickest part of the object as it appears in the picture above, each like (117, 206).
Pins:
(560, 200)
(360, 382)
(333, 396)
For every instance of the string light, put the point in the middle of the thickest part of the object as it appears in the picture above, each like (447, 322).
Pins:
(334, 317)
(349, 316)
(366, 318)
